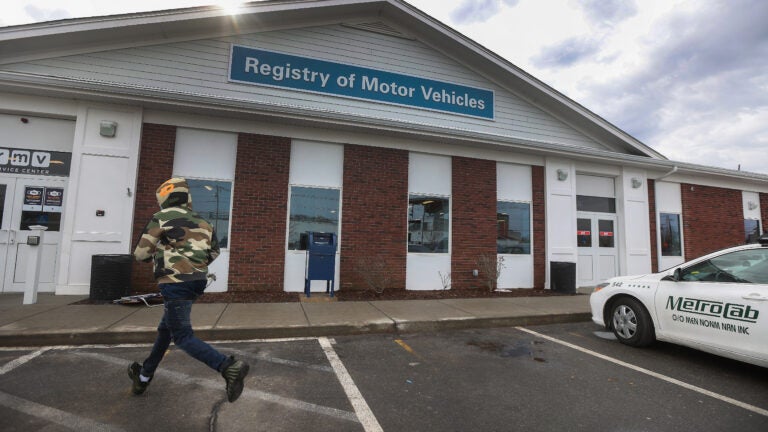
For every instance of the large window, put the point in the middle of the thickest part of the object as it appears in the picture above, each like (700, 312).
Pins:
(669, 228)
(595, 204)
(212, 199)
(428, 224)
(312, 209)
(752, 230)
(513, 227)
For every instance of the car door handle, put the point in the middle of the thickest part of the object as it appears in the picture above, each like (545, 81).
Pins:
(755, 296)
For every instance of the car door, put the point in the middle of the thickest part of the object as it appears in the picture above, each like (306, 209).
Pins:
(720, 303)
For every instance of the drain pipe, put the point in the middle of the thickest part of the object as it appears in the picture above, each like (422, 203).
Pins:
(663, 176)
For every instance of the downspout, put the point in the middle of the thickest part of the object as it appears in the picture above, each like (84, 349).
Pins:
(674, 170)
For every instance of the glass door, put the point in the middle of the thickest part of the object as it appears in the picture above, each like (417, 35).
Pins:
(598, 251)
(34, 202)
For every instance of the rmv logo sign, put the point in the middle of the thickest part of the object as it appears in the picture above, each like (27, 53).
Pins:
(24, 158)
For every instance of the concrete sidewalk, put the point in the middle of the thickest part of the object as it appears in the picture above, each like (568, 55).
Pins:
(55, 321)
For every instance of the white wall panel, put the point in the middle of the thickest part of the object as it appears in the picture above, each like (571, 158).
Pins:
(634, 239)
(597, 186)
(317, 164)
(668, 197)
(513, 182)
(38, 133)
(97, 194)
(423, 271)
(517, 272)
(561, 211)
(205, 154)
(429, 174)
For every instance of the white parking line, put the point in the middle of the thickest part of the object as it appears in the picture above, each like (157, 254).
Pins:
(726, 399)
(13, 364)
(54, 415)
(139, 345)
(363, 411)
(183, 378)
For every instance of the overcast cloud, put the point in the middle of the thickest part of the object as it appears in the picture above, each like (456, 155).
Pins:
(687, 78)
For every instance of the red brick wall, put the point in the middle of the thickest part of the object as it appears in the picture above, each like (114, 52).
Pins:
(257, 233)
(375, 212)
(713, 219)
(539, 230)
(155, 167)
(474, 218)
(652, 223)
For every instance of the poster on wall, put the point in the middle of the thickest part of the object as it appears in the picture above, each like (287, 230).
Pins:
(33, 198)
(53, 200)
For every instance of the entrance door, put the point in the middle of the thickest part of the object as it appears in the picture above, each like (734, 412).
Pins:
(27, 203)
(598, 252)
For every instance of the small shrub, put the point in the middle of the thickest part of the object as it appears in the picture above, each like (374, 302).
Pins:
(373, 270)
(490, 266)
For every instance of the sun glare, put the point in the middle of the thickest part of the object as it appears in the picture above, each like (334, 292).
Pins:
(232, 7)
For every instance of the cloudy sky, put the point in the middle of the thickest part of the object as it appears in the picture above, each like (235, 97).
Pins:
(686, 77)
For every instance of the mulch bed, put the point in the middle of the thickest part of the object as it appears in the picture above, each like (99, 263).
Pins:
(369, 295)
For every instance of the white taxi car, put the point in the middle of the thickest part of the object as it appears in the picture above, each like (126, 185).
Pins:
(717, 303)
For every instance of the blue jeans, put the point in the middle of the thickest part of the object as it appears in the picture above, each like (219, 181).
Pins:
(176, 326)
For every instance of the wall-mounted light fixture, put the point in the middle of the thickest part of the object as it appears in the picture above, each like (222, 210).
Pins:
(108, 129)
(562, 175)
(636, 182)
(751, 205)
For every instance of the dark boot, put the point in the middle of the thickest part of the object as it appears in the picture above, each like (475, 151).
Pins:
(234, 372)
(138, 387)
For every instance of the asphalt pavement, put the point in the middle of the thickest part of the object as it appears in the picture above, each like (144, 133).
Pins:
(56, 320)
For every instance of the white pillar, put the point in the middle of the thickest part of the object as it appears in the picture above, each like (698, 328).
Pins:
(34, 256)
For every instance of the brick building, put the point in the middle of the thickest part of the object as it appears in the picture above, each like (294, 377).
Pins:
(431, 158)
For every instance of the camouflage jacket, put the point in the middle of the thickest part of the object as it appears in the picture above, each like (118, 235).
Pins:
(179, 242)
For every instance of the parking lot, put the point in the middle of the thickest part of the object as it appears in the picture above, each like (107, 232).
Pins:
(556, 377)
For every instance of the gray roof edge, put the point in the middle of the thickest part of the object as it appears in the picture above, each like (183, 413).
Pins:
(161, 16)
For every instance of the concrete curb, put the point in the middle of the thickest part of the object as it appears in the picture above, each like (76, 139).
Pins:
(394, 327)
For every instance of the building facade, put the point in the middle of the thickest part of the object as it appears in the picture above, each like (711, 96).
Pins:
(431, 158)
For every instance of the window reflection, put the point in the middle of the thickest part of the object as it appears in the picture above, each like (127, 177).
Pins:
(584, 232)
(212, 200)
(428, 224)
(595, 204)
(752, 230)
(605, 231)
(312, 209)
(745, 266)
(513, 228)
(669, 228)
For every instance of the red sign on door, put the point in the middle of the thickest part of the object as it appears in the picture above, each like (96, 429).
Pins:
(583, 233)
(606, 233)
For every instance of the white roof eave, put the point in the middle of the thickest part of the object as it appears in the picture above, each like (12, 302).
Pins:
(163, 97)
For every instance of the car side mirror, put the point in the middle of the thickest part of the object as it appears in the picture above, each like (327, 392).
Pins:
(677, 275)
(674, 277)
